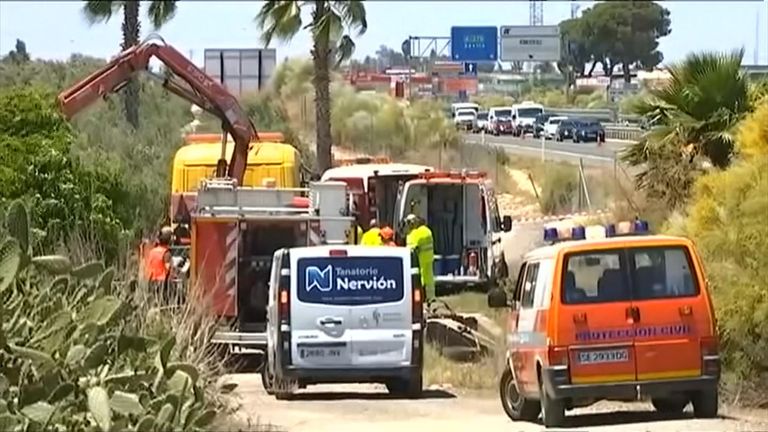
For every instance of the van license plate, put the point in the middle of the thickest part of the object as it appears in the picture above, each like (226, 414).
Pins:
(603, 356)
(321, 353)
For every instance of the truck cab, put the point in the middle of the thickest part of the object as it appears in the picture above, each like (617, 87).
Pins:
(460, 209)
(374, 187)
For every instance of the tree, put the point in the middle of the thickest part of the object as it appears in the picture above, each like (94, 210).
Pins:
(281, 19)
(694, 115)
(159, 13)
(626, 33)
(19, 55)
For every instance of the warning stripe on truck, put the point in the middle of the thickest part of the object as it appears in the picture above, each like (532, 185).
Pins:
(230, 261)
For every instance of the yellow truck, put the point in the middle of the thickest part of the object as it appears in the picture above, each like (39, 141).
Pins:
(271, 163)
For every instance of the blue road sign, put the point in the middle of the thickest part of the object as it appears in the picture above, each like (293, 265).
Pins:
(470, 68)
(474, 44)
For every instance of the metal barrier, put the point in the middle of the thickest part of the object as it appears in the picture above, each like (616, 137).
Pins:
(623, 133)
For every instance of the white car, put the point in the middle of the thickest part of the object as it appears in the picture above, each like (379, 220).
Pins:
(465, 119)
(550, 127)
(482, 122)
(344, 314)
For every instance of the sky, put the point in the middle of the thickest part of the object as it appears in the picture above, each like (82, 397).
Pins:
(56, 29)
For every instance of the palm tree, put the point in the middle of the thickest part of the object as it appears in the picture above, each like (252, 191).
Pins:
(694, 117)
(159, 13)
(281, 19)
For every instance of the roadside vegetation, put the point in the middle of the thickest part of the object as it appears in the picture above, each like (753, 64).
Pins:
(704, 163)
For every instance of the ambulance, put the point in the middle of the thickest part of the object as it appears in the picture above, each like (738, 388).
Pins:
(461, 210)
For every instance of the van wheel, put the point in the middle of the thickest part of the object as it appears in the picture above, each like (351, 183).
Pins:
(268, 381)
(411, 387)
(283, 389)
(515, 405)
(705, 403)
(552, 410)
(669, 405)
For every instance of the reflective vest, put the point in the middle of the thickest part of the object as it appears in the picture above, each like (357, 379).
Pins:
(372, 237)
(156, 270)
(420, 239)
(351, 236)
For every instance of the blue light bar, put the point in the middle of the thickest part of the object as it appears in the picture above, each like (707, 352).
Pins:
(578, 233)
(641, 226)
(610, 230)
(550, 234)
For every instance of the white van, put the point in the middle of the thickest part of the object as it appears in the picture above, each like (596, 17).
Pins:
(344, 314)
(526, 113)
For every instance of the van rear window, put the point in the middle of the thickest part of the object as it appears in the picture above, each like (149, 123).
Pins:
(628, 275)
(350, 281)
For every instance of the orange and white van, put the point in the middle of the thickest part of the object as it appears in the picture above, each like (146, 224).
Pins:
(609, 313)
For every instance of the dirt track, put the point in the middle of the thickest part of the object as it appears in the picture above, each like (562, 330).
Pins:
(368, 408)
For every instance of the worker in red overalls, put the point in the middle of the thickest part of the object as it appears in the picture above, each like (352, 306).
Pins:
(158, 264)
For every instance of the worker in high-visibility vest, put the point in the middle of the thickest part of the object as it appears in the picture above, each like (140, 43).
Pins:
(355, 235)
(158, 264)
(388, 236)
(372, 237)
(420, 239)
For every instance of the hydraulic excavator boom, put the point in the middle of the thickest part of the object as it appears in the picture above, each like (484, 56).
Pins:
(182, 78)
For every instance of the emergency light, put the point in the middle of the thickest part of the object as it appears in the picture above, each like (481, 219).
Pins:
(580, 232)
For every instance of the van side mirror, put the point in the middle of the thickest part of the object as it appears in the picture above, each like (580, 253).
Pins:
(506, 223)
(497, 298)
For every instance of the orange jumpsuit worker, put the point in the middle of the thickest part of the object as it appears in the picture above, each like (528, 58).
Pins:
(387, 236)
(159, 263)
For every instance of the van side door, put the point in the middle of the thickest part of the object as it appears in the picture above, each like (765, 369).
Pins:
(521, 329)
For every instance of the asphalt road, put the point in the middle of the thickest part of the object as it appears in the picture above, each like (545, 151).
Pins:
(589, 153)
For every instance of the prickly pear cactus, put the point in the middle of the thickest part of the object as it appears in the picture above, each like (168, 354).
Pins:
(73, 355)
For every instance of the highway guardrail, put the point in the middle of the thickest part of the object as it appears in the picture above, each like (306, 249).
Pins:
(622, 133)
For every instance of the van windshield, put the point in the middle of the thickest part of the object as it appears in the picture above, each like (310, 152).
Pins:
(350, 281)
(628, 275)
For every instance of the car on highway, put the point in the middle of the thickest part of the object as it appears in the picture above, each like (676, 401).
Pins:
(587, 131)
(501, 120)
(538, 124)
(482, 122)
(344, 314)
(525, 114)
(564, 129)
(609, 312)
(465, 119)
(550, 128)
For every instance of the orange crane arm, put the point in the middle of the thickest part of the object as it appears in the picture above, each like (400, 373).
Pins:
(184, 79)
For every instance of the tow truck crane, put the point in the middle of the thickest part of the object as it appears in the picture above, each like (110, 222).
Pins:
(183, 79)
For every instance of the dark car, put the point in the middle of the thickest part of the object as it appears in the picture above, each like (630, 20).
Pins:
(538, 124)
(503, 126)
(588, 130)
(565, 129)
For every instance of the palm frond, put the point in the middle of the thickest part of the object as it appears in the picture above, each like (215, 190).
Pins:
(328, 28)
(279, 19)
(344, 49)
(353, 14)
(100, 11)
(161, 11)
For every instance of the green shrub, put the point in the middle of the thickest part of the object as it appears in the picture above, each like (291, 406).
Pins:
(77, 354)
(726, 219)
